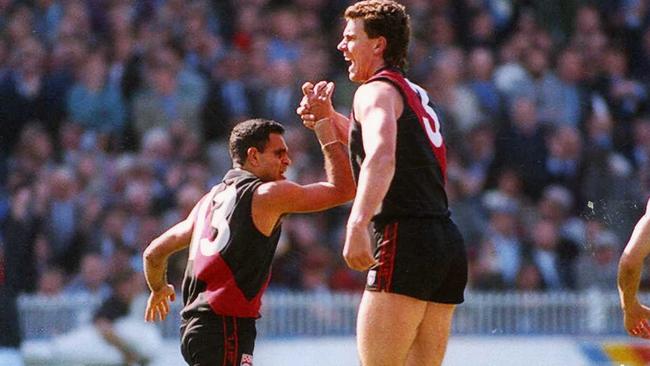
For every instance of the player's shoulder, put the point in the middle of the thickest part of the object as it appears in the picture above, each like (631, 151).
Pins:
(377, 89)
(377, 94)
(270, 192)
(277, 197)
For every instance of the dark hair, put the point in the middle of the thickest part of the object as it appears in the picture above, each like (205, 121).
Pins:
(251, 133)
(388, 19)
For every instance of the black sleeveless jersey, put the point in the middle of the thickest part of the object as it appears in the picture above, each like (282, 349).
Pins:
(418, 186)
(229, 262)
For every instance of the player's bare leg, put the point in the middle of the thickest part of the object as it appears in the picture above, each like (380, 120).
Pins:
(431, 340)
(387, 325)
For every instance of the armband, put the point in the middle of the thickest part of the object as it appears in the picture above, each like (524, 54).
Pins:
(325, 131)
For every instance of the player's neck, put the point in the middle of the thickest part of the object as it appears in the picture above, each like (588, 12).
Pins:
(251, 169)
(377, 67)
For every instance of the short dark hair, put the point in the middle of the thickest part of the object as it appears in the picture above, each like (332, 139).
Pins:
(251, 133)
(388, 19)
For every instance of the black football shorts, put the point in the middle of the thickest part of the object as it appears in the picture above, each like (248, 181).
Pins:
(209, 339)
(423, 258)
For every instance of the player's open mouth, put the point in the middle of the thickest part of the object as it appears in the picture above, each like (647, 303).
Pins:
(351, 63)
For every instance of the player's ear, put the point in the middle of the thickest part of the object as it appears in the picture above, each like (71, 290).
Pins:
(252, 156)
(380, 45)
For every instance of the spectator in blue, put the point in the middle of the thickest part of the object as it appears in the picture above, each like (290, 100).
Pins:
(286, 30)
(93, 102)
(280, 94)
(481, 82)
(569, 107)
(174, 93)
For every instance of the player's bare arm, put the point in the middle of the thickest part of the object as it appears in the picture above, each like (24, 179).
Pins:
(636, 315)
(155, 258)
(376, 106)
(316, 104)
(274, 199)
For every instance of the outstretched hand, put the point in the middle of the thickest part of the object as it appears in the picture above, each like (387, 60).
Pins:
(636, 321)
(316, 102)
(157, 305)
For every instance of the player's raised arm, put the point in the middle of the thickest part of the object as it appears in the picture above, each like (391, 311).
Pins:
(630, 266)
(283, 196)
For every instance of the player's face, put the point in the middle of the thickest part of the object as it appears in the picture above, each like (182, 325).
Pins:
(274, 161)
(359, 50)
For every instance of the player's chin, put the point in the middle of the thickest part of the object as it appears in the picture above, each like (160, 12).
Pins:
(354, 77)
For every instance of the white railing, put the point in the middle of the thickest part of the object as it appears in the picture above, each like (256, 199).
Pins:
(303, 314)
(44, 317)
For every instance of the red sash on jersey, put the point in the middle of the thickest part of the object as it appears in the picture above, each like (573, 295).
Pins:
(414, 101)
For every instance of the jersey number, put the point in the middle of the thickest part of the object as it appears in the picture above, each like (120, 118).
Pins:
(433, 132)
(224, 205)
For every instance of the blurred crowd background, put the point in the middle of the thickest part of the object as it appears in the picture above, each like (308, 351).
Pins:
(114, 117)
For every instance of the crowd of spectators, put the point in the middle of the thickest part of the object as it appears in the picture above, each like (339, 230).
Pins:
(114, 117)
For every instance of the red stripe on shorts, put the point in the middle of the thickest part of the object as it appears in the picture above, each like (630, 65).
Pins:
(387, 258)
(382, 252)
(392, 240)
(225, 340)
(234, 323)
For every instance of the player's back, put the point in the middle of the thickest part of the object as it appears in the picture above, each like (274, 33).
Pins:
(229, 262)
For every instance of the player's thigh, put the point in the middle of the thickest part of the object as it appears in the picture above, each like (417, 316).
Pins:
(386, 327)
(431, 340)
